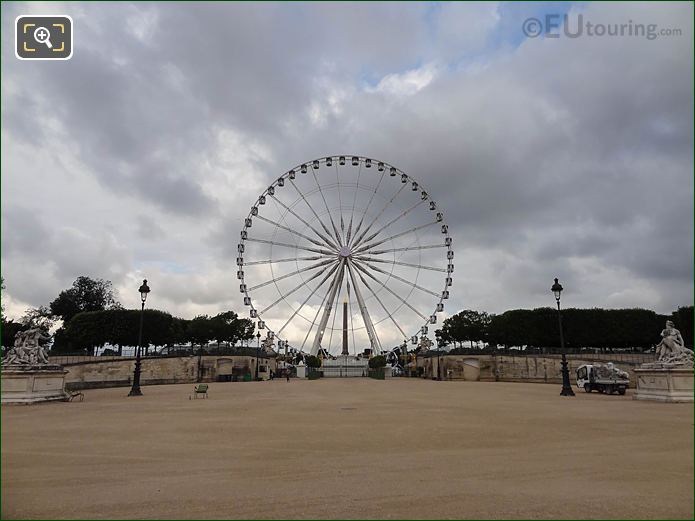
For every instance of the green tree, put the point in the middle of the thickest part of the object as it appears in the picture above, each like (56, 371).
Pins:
(2, 304)
(228, 327)
(10, 328)
(465, 326)
(120, 327)
(38, 317)
(598, 328)
(86, 294)
(683, 319)
(84, 333)
(200, 330)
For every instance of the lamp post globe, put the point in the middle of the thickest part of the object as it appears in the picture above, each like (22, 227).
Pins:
(566, 386)
(144, 290)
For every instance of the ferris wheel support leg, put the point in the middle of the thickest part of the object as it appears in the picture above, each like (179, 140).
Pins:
(371, 332)
(337, 281)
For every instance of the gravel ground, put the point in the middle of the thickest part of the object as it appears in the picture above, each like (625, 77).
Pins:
(351, 448)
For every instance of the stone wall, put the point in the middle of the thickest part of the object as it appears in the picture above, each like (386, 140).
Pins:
(528, 368)
(165, 370)
(490, 368)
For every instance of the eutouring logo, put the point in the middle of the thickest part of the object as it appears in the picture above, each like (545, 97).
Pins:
(555, 25)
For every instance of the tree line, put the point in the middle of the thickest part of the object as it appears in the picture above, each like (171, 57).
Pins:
(539, 328)
(92, 317)
(89, 330)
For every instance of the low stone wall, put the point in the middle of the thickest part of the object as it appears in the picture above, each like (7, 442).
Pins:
(490, 368)
(169, 370)
(527, 368)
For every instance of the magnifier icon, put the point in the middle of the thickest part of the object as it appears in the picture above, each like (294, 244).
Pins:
(43, 35)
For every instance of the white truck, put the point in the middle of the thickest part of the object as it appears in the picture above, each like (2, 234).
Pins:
(602, 378)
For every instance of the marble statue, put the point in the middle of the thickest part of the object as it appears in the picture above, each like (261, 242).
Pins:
(670, 378)
(267, 345)
(27, 375)
(610, 371)
(425, 344)
(27, 349)
(671, 350)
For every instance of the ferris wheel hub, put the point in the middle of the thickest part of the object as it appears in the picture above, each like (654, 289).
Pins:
(345, 251)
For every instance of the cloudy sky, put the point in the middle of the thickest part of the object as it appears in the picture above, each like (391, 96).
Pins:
(140, 156)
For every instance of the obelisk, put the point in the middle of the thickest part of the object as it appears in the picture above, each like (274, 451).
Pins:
(345, 331)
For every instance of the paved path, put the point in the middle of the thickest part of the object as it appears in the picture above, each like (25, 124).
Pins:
(355, 448)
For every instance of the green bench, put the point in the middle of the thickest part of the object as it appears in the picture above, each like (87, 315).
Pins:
(201, 389)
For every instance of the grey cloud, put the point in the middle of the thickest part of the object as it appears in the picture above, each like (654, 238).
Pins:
(40, 260)
(547, 156)
(148, 229)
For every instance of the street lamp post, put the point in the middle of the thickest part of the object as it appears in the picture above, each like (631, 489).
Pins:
(439, 364)
(200, 364)
(258, 349)
(135, 389)
(566, 387)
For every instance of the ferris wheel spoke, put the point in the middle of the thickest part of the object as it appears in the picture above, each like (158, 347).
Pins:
(358, 240)
(383, 285)
(354, 201)
(409, 248)
(388, 313)
(352, 327)
(294, 273)
(313, 292)
(295, 232)
(330, 215)
(396, 219)
(335, 314)
(405, 281)
(337, 281)
(283, 297)
(318, 311)
(325, 253)
(366, 247)
(369, 203)
(301, 194)
(327, 240)
(369, 325)
(289, 259)
(340, 197)
(366, 260)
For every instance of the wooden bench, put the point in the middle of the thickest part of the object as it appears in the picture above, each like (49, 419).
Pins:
(200, 389)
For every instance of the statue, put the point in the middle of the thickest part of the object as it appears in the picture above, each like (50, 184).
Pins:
(27, 349)
(267, 345)
(425, 344)
(671, 349)
(610, 371)
(670, 377)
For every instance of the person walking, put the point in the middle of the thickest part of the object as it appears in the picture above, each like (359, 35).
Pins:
(287, 374)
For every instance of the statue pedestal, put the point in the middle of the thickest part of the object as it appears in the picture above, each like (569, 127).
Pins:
(27, 384)
(664, 383)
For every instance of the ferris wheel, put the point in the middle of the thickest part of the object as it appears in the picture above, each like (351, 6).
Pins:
(345, 253)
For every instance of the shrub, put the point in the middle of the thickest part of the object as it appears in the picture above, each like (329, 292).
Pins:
(377, 362)
(313, 361)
